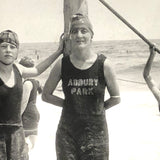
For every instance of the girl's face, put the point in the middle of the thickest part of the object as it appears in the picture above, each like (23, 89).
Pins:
(8, 53)
(81, 37)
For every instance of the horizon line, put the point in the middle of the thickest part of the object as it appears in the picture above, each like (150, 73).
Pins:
(93, 40)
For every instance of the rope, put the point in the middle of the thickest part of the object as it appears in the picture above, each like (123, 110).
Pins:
(130, 81)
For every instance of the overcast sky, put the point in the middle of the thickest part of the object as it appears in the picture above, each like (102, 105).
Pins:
(42, 20)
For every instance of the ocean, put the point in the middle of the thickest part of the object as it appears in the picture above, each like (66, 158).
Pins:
(128, 58)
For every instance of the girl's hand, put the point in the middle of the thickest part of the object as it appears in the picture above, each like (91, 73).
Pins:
(152, 49)
(61, 43)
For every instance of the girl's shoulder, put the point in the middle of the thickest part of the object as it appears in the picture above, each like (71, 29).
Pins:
(19, 67)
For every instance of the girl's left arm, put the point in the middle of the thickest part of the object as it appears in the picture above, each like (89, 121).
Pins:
(112, 86)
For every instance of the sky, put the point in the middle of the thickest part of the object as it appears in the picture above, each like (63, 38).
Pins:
(43, 21)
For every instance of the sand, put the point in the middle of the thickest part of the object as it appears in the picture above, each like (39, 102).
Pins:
(134, 127)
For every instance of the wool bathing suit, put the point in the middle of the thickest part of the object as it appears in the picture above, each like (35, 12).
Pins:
(31, 116)
(82, 132)
(12, 140)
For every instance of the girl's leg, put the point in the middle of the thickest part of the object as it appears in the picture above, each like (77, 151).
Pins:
(65, 146)
(18, 147)
(3, 153)
(94, 142)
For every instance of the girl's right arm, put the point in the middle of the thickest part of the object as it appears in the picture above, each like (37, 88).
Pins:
(51, 84)
(147, 76)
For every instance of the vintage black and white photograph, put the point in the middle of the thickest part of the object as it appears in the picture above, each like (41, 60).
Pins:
(79, 80)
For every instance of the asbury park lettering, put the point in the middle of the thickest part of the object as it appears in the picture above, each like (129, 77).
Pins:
(82, 86)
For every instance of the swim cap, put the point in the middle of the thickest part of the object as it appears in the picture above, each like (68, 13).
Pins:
(9, 37)
(79, 19)
(27, 62)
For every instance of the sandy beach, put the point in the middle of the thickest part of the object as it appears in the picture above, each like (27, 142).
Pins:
(134, 131)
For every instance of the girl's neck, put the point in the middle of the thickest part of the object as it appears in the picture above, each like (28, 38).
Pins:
(82, 54)
(5, 68)
(83, 60)
(7, 74)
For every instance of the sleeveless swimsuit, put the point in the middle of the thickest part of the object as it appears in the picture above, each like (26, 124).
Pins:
(82, 131)
(10, 101)
(12, 140)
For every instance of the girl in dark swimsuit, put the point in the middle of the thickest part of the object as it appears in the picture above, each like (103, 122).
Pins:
(12, 141)
(82, 132)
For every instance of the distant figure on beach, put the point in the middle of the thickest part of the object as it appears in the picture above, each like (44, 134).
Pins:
(12, 139)
(148, 78)
(37, 55)
(82, 131)
(29, 111)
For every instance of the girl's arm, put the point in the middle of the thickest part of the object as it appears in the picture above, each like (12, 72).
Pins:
(51, 84)
(42, 66)
(27, 88)
(112, 86)
(147, 76)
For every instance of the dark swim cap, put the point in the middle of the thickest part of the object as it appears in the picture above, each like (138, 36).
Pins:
(79, 19)
(9, 37)
(27, 62)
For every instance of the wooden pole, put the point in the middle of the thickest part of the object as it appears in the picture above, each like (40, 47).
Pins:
(71, 7)
(128, 24)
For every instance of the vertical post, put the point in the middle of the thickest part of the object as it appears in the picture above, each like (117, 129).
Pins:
(71, 7)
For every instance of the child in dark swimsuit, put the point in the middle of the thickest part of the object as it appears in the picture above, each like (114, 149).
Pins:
(29, 111)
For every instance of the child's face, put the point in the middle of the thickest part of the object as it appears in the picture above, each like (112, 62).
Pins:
(8, 53)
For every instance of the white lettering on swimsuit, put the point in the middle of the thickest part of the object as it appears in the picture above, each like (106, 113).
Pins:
(82, 86)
